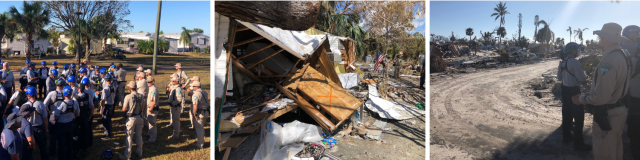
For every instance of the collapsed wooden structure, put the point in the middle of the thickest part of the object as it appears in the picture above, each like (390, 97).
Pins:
(311, 81)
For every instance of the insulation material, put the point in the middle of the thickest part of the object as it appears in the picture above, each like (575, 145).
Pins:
(389, 110)
(298, 43)
(349, 80)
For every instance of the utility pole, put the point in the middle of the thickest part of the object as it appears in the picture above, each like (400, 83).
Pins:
(155, 43)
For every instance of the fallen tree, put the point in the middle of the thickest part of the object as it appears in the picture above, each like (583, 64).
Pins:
(288, 15)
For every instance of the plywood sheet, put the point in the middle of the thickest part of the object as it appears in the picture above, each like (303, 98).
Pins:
(329, 95)
(321, 62)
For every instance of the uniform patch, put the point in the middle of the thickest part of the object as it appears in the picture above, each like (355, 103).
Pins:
(153, 93)
(196, 97)
(604, 68)
(179, 92)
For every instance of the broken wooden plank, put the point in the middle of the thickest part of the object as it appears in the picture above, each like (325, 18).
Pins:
(256, 51)
(320, 60)
(294, 65)
(226, 154)
(331, 98)
(236, 139)
(242, 29)
(271, 70)
(264, 59)
(282, 111)
(309, 109)
(248, 41)
(246, 71)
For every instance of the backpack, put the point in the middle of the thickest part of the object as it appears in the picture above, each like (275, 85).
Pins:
(137, 102)
(564, 67)
(20, 99)
(83, 103)
(69, 108)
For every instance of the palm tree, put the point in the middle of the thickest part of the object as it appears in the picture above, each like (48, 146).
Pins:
(185, 38)
(579, 33)
(501, 32)
(91, 30)
(535, 22)
(569, 30)
(31, 21)
(7, 28)
(501, 11)
(112, 36)
(54, 39)
(469, 32)
(545, 34)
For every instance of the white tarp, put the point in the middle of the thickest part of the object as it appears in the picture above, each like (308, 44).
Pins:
(297, 43)
(390, 110)
(284, 142)
(349, 80)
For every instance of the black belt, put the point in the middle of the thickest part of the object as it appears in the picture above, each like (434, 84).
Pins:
(612, 106)
(121, 81)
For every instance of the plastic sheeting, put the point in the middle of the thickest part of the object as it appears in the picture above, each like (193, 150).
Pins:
(278, 143)
(349, 80)
(390, 110)
(297, 43)
(277, 105)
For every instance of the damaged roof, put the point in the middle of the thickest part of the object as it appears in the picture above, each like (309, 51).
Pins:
(298, 43)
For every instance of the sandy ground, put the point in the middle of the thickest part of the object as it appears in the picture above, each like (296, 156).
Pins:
(493, 114)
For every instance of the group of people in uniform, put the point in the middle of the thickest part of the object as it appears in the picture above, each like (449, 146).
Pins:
(70, 98)
(614, 97)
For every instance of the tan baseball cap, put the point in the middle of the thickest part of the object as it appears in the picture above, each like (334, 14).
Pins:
(173, 78)
(150, 79)
(195, 78)
(147, 71)
(197, 84)
(140, 69)
(178, 65)
(132, 84)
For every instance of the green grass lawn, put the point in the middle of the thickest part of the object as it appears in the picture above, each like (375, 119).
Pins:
(182, 149)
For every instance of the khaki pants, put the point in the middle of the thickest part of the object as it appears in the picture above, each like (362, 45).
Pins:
(179, 112)
(175, 121)
(609, 147)
(199, 126)
(153, 128)
(134, 125)
(120, 93)
(191, 119)
(145, 122)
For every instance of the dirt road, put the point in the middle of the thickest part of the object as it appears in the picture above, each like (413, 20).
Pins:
(491, 115)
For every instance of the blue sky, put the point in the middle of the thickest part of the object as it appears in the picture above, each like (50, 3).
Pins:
(457, 16)
(175, 14)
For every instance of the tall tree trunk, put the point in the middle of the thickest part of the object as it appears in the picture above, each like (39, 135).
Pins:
(87, 53)
(104, 44)
(1, 37)
(29, 45)
(535, 35)
(298, 15)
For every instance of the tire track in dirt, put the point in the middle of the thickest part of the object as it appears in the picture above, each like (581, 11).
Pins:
(482, 113)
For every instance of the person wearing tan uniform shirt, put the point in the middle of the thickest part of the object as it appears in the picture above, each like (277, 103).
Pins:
(611, 83)
(143, 89)
(121, 76)
(152, 110)
(176, 101)
(201, 109)
(132, 106)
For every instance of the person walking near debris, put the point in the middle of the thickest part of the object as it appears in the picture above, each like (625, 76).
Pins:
(38, 121)
(176, 103)
(132, 106)
(571, 74)
(605, 99)
(201, 112)
(152, 110)
(633, 118)
(65, 113)
(42, 84)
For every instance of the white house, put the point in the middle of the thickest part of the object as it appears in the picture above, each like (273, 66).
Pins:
(197, 40)
(19, 45)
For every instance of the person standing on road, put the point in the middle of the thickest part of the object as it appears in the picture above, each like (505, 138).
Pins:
(201, 111)
(42, 84)
(152, 110)
(611, 81)
(633, 118)
(132, 106)
(571, 74)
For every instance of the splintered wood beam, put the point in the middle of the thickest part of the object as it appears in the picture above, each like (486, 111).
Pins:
(246, 71)
(248, 41)
(242, 29)
(271, 70)
(294, 65)
(255, 64)
(256, 51)
(283, 75)
(323, 121)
